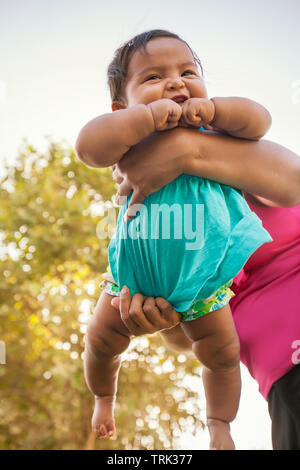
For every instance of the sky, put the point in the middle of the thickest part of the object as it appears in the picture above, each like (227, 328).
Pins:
(53, 61)
(54, 56)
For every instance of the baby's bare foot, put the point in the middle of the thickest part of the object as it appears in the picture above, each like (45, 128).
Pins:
(220, 437)
(103, 423)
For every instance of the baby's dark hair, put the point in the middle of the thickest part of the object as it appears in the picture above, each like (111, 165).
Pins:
(117, 69)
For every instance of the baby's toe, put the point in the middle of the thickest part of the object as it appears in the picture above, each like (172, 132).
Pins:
(104, 430)
(110, 430)
(100, 431)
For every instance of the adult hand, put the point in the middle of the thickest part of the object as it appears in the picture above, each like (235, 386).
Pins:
(153, 163)
(117, 177)
(145, 315)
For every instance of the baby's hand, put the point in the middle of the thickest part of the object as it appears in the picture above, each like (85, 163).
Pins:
(166, 114)
(197, 112)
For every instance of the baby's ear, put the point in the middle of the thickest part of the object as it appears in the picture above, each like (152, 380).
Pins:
(116, 105)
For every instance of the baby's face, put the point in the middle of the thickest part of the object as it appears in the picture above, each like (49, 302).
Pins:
(169, 71)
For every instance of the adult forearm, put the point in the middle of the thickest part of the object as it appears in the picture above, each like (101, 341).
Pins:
(263, 167)
(241, 117)
(104, 140)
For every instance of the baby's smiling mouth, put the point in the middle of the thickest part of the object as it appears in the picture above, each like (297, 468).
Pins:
(179, 98)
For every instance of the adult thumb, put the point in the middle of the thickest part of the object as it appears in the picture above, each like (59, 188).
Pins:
(134, 205)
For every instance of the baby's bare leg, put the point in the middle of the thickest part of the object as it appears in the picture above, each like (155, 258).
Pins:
(106, 338)
(177, 340)
(216, 345)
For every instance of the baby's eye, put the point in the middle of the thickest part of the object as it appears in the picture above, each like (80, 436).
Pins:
(189, 72)
(152, 77)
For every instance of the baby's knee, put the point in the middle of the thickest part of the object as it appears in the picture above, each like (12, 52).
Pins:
(221, 356)
(227, 355)
(105, 341)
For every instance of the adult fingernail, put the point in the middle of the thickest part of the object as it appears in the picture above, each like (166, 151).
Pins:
(124, 290)
(163, 303)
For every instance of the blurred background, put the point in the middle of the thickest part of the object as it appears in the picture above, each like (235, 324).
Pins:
(54, 57)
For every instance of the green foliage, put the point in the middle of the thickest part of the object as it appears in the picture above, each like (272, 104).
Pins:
(51, 262)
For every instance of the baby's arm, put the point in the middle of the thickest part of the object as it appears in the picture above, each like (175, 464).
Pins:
(241, 117)
(104, 140)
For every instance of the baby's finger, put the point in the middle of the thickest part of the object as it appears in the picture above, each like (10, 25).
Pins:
(182, 123)
(192, 118)
(173, 116)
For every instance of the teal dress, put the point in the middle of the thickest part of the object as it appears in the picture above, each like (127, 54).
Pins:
(189, 239)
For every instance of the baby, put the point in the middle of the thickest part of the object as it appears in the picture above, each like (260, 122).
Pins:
(156, 85)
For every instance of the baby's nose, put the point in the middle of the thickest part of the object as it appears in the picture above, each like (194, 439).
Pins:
(175, 82)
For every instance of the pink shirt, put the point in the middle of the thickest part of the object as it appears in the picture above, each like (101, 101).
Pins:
(266, 307)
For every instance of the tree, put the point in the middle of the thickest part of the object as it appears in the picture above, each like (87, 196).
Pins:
(51, 261)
